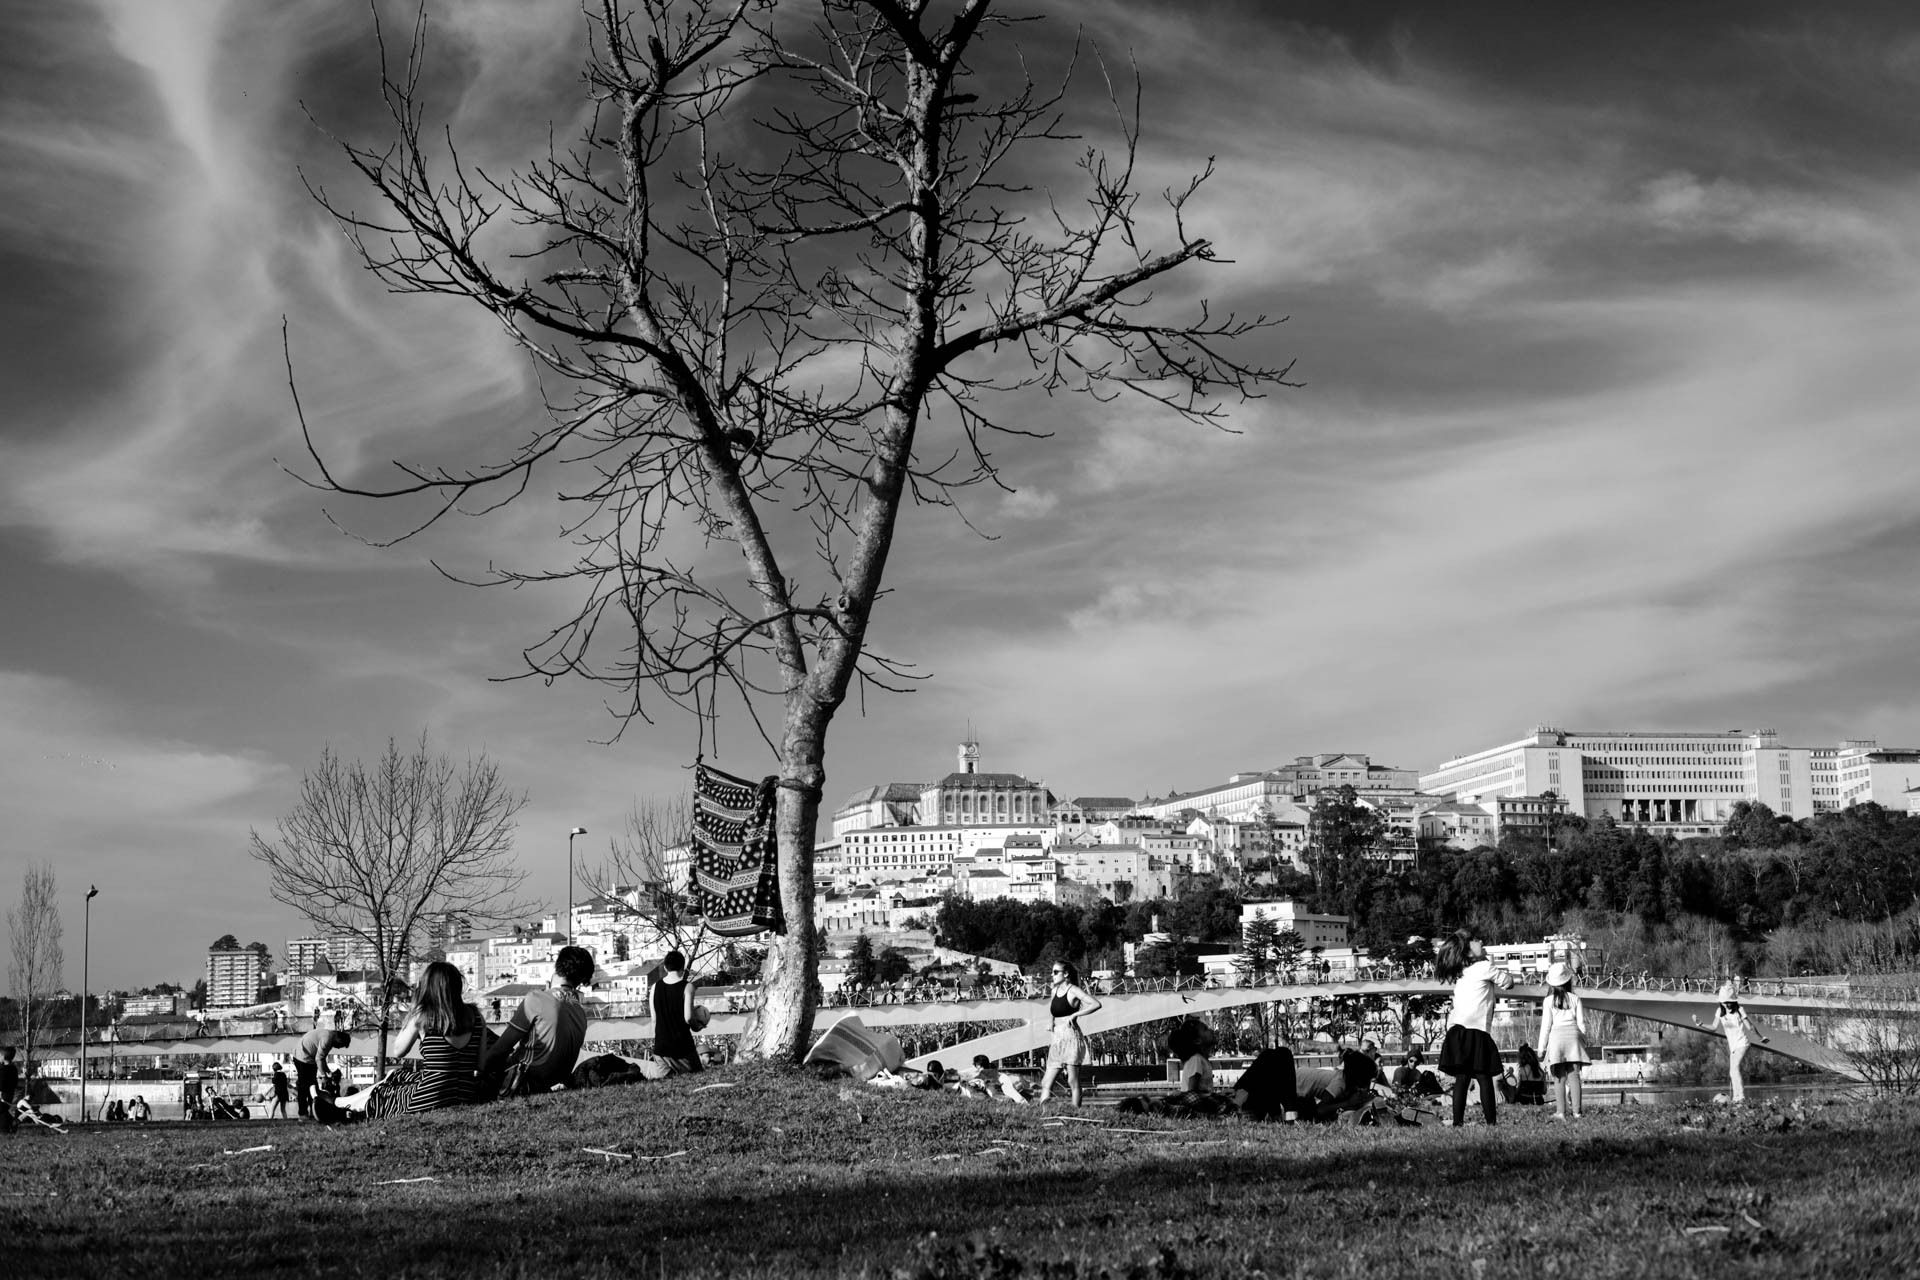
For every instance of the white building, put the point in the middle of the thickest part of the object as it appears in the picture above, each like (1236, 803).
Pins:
(1686, 782)
(1314, 930)
(1246, 795)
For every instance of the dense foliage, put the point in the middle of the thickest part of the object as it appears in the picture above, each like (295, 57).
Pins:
(1833, 893)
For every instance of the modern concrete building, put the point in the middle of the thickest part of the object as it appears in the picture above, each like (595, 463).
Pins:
(234, 978)
(1684, 782)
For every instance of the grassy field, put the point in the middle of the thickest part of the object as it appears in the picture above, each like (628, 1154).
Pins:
(782, 1174)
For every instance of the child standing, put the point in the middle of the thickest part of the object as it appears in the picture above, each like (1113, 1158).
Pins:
(1563, 1038)
(1469, 1054)
(1730, 1020)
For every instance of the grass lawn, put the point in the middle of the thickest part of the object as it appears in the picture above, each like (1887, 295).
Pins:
(782, 1174)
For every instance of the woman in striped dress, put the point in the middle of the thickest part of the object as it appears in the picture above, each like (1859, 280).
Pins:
(451, 1038)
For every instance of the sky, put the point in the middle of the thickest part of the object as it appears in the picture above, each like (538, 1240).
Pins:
(1605, 320)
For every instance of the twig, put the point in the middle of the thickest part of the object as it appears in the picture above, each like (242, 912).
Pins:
(616, 1155)
(718, 1084)
(245, 1151)
(401, 1182)
(670, 1155)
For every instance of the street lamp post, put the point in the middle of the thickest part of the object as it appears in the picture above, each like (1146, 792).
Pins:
(86, 944)
(577, 831)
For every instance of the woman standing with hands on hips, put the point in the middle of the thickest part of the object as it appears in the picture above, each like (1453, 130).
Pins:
(1469, 1053)
(1730, 1020)
(1070, 1002)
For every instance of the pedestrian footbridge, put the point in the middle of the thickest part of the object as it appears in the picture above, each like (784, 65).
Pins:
(1674, 1001)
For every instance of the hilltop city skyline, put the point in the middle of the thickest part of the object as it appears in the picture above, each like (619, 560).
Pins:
(1603, 321)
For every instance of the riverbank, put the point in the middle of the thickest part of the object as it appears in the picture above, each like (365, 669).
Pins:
(753, 1170)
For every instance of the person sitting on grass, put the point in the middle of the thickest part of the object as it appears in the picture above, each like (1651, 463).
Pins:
(451, 1037)
(138, 1111)
(1190, 1043)
(670, 1003)
(546, 1031)
(1530, 1079)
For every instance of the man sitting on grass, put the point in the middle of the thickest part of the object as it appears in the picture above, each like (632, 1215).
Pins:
(547, 1030)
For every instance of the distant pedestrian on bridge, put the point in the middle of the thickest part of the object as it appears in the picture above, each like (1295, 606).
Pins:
(1730, 1020)
(1070, 1002)
(1469, 1054)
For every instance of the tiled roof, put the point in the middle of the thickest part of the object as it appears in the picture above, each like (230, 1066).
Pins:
(1102, 802)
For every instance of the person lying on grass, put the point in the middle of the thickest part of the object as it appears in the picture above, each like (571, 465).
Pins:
(547, 1030)
(984, 1080)
(451, 1037)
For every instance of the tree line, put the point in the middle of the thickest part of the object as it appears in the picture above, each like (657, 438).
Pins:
(1837, 892)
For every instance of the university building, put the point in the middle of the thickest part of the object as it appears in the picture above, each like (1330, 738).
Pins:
(1683, 782)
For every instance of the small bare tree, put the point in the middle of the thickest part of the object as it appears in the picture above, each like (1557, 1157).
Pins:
(34, 957)
(641, 856)
(370, 852)
(775, 283)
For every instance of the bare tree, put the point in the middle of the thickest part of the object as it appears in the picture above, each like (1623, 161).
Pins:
(643, 856)
(34, 957)
(776, 284)
(369, 853)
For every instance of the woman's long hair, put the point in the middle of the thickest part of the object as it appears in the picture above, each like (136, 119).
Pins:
(441, 1007)
(1560, 994)
(1450, 961)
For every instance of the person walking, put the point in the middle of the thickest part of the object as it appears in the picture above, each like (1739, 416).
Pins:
(1469, 1054)
(1068, 1050)
(9, 1087)
(280, 1092)
(1730, 1020)
(1562, 1045)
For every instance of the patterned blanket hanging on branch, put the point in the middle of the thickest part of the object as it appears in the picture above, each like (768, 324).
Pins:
(736, 858)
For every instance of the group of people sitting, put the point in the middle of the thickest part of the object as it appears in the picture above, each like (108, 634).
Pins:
(461, 1061)
(136, 1112)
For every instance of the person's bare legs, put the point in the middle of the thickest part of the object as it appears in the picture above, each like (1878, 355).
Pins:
(1560, 1095)
(1735, 1059)
(1073, 1082)
(1574, 1077)
(1046, 1081)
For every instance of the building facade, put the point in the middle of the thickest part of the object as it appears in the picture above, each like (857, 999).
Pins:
(1686, 782)
(234, 978)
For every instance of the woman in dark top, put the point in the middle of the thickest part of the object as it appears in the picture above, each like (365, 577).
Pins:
(1069, 1003)
(670, 1000)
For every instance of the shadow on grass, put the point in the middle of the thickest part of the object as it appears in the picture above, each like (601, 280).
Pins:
(785, 1176)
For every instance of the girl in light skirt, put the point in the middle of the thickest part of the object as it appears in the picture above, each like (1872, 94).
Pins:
(1563, 1039)
(1069, 1003)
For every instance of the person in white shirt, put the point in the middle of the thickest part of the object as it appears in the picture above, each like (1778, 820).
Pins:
(1469, 1054)
(1563, 1038)
(1730, 1020)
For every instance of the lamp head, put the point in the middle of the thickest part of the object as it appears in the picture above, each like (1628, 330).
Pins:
(92, 892)
(578, 831)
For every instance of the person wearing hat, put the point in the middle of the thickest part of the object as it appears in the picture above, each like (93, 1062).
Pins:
(1562, 1045)
(1730, 1020)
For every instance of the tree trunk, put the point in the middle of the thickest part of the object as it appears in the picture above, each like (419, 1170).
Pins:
(788, 976)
